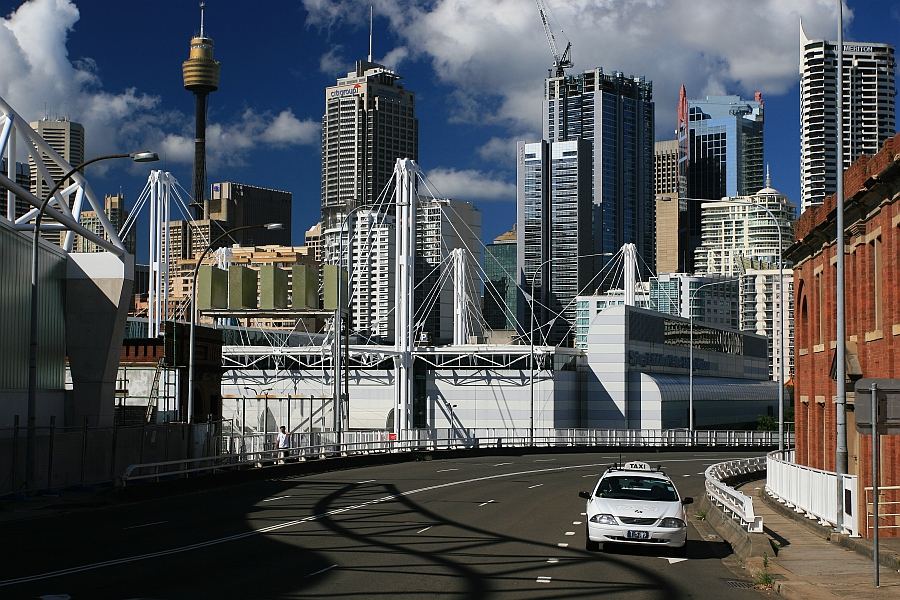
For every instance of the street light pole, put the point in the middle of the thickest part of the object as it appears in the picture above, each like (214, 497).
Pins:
(338, 317)
(190, 400)
(32, 333)
(691, 348)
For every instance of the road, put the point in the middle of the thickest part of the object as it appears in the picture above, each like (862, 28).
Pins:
(474, 528)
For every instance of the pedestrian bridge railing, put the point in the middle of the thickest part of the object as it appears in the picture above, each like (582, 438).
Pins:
(258, 450)
(813, 492)
(736, 504)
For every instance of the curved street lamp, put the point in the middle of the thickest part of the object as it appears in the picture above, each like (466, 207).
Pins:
(142, 156)
(209, 246)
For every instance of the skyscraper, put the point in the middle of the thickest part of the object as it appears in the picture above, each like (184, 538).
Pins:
(240, 204)
(501, 293)
(67, 139)
(23, 178)
(555, 239)
(369, 122)
(725, 146)
(868, 117)
(670, 216)
(114, 207)
(614, 114)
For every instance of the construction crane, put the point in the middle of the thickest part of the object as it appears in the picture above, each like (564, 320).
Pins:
(563, 61)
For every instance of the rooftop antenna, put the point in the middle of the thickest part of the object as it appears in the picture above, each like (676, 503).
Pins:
(371, 17)
(768, 177)
(202, 7)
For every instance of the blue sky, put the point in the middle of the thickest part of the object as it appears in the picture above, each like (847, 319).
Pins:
(475, 66)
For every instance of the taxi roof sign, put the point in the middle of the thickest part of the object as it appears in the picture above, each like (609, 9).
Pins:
(636, 466)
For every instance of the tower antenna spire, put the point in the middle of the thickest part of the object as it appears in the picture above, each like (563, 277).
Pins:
(202, 7)
(371, 18)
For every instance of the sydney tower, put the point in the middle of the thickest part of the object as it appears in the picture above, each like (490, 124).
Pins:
(201, 76)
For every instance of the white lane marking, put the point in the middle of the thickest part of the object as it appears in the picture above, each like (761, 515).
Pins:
(542, 580)
(685, 475)
(502, 464)
(446, 470)
(362, 482)
(145, 525)
(583, 514)
(424, 530)
(531, 487)
(701, 473)
(552, 560)
(275, 498)
(577, 522)
(544, 459)
(486, 503)
(570, 533)
(320, 571)
(240, 536)
(671, 560)
(591, 475)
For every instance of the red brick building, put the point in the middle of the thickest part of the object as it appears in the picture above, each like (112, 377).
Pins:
(872, 278)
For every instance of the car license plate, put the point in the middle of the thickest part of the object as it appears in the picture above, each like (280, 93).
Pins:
(639, 535)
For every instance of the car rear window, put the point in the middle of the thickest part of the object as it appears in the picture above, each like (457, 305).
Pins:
(635, 487)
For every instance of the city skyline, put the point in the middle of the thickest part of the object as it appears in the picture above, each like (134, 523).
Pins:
(265, 130)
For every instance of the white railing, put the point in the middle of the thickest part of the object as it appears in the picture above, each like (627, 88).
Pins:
(258, 450)
(733, 503)
(813, 492)
(890, 517)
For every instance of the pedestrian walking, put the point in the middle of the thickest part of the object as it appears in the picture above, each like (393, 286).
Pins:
(284, 444)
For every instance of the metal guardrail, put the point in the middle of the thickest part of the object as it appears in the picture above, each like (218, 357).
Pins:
(257, 450)
(730, 500)
(811, 491)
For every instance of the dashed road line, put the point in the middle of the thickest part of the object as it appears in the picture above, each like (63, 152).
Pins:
(445, 470)
(570, 533)
(275, 498)
(145, 525)
(320, 571)
(531, 487)
(552, 560)
(544, 459)
(486, 503)
(542, 580)
(502, 464)
(424, 530)
(577, 522)
(362, 482)
(563, 545)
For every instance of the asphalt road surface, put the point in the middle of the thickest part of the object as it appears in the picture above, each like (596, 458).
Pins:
(471, 528)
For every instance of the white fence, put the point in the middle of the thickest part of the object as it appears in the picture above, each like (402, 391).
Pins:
(812, 491)
(258, 449)
(732, 502)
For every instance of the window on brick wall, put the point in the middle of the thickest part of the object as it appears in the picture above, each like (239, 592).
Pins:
(877, 278)
(820, 313)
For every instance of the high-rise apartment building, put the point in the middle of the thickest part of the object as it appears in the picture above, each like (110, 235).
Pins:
(555, 242)
(443, 225)
(240, 204)
(614, 114)
(742, 229)
(761, 311)
(116, 213)
(369, 123)
(372, 256)
(868, 117)
(665, 167)
(501, 292)
(312, 239)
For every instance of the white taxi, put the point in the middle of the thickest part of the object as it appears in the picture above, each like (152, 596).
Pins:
(635, 504)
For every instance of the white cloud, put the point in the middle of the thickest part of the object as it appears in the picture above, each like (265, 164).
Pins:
(332, 63)
(502, 150)
(469, 184)
(393, 58)
(37, 72)
(495, 53)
